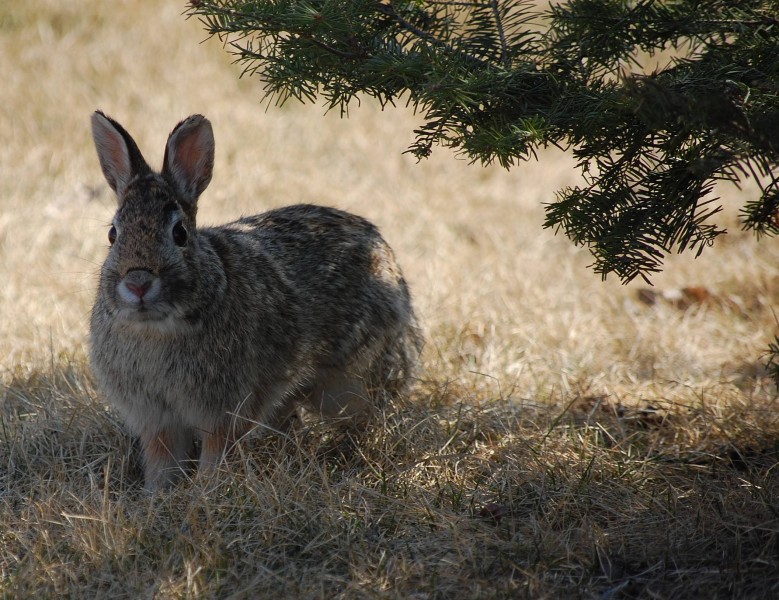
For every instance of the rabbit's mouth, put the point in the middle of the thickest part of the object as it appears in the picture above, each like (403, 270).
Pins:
(150, 311)
(160, 318)
(144, 312)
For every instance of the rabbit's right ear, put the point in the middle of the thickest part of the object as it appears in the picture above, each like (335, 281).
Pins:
(189, 159)
(119, 156)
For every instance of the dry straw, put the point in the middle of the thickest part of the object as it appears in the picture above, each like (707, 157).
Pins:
(568, 437)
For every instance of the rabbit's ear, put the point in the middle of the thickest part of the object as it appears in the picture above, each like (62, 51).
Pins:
(189, 157)
(119, 156)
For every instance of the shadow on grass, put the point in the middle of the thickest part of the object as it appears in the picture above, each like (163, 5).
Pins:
(450, 495)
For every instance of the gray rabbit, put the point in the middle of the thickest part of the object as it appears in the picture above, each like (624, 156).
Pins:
(199, 334)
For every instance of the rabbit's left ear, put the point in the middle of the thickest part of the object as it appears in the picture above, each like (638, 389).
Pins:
(189, 158)
(119, 156)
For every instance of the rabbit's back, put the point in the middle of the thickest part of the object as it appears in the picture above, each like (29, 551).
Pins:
(344, 276)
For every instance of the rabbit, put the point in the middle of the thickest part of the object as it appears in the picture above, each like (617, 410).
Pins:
(196, 335)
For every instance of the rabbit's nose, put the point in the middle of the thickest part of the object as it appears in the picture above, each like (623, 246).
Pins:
(138, 285)
(139, 289)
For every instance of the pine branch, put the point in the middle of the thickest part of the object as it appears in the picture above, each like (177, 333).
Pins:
(495, 80)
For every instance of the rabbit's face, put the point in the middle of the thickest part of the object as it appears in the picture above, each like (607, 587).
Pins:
(147, 278)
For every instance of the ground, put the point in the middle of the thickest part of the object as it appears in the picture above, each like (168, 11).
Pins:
(567, 437)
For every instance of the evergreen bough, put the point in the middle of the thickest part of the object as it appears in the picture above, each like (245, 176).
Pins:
(497, 79)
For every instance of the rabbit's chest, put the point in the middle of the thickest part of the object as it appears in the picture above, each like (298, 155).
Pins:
(191, 381)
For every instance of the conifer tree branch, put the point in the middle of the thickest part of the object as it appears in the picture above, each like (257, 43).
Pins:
(495, 80)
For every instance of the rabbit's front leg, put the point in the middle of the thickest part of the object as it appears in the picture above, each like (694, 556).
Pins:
(165, 452)
(217, 442)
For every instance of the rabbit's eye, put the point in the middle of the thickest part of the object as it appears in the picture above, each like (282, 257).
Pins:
(179, 234)
(112, 235)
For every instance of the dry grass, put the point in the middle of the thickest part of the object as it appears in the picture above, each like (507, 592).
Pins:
(566, 440)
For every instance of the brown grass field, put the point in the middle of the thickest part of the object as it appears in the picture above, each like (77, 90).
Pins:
(565, 440)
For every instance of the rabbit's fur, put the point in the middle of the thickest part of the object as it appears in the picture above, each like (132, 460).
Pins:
(201, 333)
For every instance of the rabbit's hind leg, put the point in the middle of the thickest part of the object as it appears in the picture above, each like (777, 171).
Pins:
(339, 397)
(286, 417)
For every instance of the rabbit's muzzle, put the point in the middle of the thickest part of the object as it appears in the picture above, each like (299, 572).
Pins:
(139, 289)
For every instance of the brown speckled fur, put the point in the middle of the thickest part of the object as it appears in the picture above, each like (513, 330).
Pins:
(242, 322)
